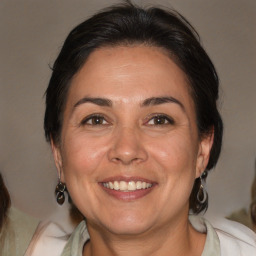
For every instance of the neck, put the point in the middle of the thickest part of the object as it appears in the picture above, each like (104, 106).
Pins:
(172, 240)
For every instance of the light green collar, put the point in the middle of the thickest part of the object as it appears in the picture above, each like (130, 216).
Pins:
(75, 244)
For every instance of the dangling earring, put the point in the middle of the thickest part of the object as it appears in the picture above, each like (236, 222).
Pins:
(59, 192)
(202, 193)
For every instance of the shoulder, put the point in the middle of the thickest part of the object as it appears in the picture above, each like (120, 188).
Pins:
(241, 216)
(49, 239)
(17, 232)
(231, 238)
(235, 238)
(76, 241)
(23, 225)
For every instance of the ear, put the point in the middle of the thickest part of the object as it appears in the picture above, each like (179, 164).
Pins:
(204, 150)
(57, 159)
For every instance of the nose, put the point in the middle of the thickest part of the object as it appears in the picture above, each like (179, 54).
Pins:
(127, 147)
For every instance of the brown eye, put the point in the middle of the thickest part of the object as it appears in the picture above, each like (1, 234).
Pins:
(160, 120)
(94, 120)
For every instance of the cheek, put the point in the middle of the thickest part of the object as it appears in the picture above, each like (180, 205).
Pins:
(176, 154)
(82, 155)
(174, 158)
(82, 158)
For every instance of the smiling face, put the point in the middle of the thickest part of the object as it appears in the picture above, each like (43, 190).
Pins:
(130, 149)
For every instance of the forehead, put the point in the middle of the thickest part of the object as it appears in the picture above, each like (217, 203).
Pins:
(129, 74)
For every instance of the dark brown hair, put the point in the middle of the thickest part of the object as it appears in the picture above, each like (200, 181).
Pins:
(5, 202)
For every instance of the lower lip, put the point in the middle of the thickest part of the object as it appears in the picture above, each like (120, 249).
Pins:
(128, 196)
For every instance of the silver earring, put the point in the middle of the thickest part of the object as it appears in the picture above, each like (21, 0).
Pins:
(202, 192)
(60, 192)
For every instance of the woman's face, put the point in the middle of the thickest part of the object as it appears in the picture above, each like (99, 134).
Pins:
(130, 149)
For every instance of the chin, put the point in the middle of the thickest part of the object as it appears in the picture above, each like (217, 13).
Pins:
(125, 229)
(128, 224)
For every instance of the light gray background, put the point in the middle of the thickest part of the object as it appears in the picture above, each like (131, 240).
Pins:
(32, 33)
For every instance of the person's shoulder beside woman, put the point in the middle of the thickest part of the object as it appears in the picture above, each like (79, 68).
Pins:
(235, 238)
(16, 232)
(49, 239)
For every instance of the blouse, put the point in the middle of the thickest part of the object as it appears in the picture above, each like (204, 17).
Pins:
(227, 238)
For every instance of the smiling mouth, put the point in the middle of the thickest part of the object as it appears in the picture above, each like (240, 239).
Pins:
(125, 186)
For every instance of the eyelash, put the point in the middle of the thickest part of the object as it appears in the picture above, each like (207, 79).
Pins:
(94, 117)
(98, 120)
(167, 120)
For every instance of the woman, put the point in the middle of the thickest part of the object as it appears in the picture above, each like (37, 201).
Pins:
(253, 202)
(5, 202)
(21, 234)
(132, 119)
(16, 228)
(247, 218)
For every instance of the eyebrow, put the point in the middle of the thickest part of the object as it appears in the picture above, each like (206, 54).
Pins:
(153, 101)
(97, 101)
(161, 100)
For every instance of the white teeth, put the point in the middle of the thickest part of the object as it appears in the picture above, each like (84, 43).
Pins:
(131, 186)
(127, 186)
(116, 185)
(106, 185)
(139, 185)
(123, 185)
(111, 186)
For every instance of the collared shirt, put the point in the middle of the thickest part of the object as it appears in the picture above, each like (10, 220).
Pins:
(75, 244)
(223, 238)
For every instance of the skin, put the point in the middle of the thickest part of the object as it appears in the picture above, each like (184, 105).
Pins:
(128, 143)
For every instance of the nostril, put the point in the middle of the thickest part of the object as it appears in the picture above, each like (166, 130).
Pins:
(125, 160)
(126, 148)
